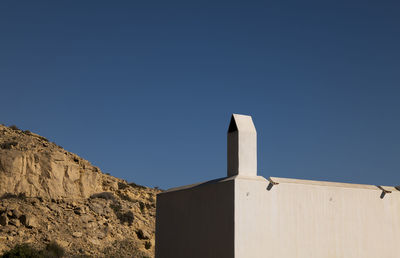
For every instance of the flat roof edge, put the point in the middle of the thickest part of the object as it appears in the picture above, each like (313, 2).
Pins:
(278, 180)
(332, 184)
(185, 187)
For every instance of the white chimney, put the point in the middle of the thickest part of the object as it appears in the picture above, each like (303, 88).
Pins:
(242, 146)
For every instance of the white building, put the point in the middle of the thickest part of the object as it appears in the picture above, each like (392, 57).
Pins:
(246, 216)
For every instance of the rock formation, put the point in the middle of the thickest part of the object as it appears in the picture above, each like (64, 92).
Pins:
(49, 195)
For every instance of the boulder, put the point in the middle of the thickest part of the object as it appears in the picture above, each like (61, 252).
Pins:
(77, 234)
(14, 222)
(62, 243)
(16, 213)
(29, 221)
(143, 234)
(3, 219)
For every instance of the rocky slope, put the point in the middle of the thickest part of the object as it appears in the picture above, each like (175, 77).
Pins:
(49, 195)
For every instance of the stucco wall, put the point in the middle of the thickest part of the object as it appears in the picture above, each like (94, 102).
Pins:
(247, 217)
(196, 221)
(309, 219)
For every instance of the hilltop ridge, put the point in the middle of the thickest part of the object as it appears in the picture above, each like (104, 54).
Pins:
(50, 195)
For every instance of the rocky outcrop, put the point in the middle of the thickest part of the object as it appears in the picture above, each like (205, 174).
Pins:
(33, 166)
(49, 195)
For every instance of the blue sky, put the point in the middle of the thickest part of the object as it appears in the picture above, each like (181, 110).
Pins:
(145, 89)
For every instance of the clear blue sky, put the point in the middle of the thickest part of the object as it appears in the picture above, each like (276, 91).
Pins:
(145, 89)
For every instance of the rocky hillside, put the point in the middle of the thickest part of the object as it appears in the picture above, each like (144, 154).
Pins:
(51, 196)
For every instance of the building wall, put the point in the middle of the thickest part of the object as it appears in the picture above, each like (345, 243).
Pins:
(196, 221)
(307, 219)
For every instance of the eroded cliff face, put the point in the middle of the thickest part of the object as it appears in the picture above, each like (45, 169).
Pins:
(31, 165)
(49, 195)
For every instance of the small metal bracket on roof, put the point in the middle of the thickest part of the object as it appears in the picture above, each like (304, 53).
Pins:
(384, 191)
(272, 181)
(271, 184)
